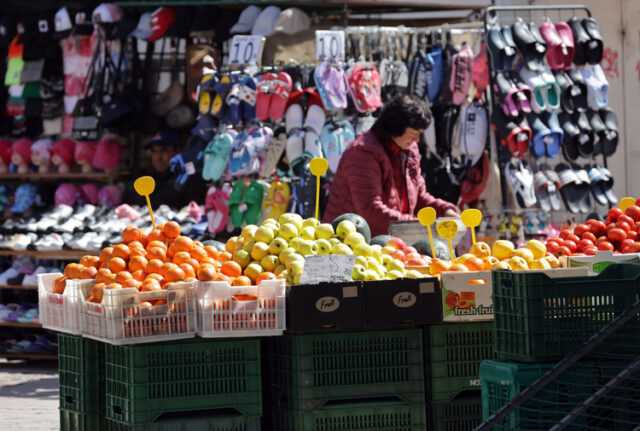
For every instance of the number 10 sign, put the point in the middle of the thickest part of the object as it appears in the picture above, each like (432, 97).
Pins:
(329, 45)
(246, 50)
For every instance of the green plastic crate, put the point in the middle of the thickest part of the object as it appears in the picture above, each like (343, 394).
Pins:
(308, 371)
(453, 353)
(73, 421)
(354, 417)
(81, 370)
(503, 380)
(214, 423)
(463, 414)
(143, 382)
(541, 319)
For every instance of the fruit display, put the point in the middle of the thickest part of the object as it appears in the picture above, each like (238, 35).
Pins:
(619, 233)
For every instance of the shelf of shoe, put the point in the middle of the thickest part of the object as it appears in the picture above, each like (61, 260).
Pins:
(27, 356)
(51, 254)
(18, 287)
(86, 176)
(21, 325)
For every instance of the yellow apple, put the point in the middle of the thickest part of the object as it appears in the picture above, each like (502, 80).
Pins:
(502, 249)
(253, 271)
(324, 231)
(263, 234)
(540, 264)
(354, 238)
(259, 250)
(242, 258)
(553, 261)
(480, 249)
(501, 265)
(288, 231)
(344, 228)
(363, 249)
(517, 263)
(525, 253)
(308, 232)
(489, 261)
(537, 247)
(269, 262)
(249, 230)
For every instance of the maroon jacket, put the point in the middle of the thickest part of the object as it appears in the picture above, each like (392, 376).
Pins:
(365, 184)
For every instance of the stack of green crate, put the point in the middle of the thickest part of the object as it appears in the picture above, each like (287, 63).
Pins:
(361, 380)
(453, 353)
(188, 384)
(82, 379)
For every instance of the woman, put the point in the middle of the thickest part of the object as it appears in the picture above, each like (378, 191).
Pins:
(379, 174)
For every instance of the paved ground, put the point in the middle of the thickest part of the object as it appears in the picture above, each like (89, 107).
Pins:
(29, 395)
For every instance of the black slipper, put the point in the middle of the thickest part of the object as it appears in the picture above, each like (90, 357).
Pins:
(510, 50)
(566, 85)
(496, 47)
(568, 187)
(553, 186)
(579, 91)
(607, 186)
(586, 140)
(532, 51)
(599, 130)
(581, 41)
(571, 138)
(597, 181)
(584, 189)
(506, 131)
(610, 144)
(594, 52)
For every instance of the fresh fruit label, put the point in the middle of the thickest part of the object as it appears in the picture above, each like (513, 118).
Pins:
(596, 264)
(467, 296)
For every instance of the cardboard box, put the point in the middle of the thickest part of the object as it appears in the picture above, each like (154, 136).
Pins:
(468, 296)
(596, 264)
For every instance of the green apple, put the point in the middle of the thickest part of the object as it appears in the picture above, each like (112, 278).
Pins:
(297, 278)
(259, 250)
(277, 245)
(413, 274)
(294, 257)
(359, 272)
(242, 258)
(372, 275)
(361, 260)
(283, 274)
(288, 231)
(269, 262)
(341, 249)
(294, 219)
(308, 232)
(296, 267)
(313, 222)
(395, 264)
(232, 243)
(334, 241)
(324, 246)
(279, 269)
(394, 273)
(374, 265)
(363, 249)
(308, 248)
(345, 227)
(387, 249)
(289, 279)
(253, 271)
(295, 242)
(354, 238)
(284, 254)
(377, 252)
(263, 234)
(386, 260)
(249, 230)
(270, 221)
(274, 228)
(324, 231)
(248, 246)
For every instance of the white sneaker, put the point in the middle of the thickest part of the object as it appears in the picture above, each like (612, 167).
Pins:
(32, 279)
(11, 272)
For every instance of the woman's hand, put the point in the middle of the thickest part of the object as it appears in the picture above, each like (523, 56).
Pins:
(451, 213)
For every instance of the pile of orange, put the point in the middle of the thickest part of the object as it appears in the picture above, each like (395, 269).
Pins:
(150, 261)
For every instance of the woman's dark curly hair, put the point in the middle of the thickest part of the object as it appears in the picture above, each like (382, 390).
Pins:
(397, 115)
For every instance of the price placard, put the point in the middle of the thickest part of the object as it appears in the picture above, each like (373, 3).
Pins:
(327, 267)
(246, 49)
(329, 45)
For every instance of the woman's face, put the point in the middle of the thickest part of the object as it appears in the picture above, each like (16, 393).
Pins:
(407, 138)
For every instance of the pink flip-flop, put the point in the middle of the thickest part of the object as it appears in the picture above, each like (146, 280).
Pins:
(264, 95)
(281, 91)
(217, 206)
(565, 33)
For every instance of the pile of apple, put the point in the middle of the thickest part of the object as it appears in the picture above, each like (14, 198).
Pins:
(503, 255)
(620, 232)
(279, 248)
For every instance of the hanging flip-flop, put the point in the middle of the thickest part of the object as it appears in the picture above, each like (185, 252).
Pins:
(607, 186)
(277, 200)
(272, 153)
(538, 87)
(216, 155)
(584, 189)
(520, 179)
(610, 144)
(281, 90)
(556, 51)
(541, 182)
(253, 200)
(237, 208)
(599, 130)
(568, 187)
(554, 140)
(264, 93)
(532, 50)
(248, 99)
(594, 46)
(596, 179)
(294, 151)
(552, 186)
(572, 138)
(540, 134)
(581, 40)
(220, 89)
(586, 140)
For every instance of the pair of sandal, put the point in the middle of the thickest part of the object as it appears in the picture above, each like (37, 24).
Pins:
(587, 134)
(501, 46)
(365, 87)
(546, 183)
(216, 155)
(333, 87)
(514, 134)
(241, 100)
(545, 89)
(247, 149)
(303, 131)
(573, 90)
(520, 178)
(245, 203)
(272, 95)
(547, 134)
(597, 86)
(587, 39)
(530, 44)
(574, 188)
(602, 185)
(560, 44)
(513, 94)
(217, 208)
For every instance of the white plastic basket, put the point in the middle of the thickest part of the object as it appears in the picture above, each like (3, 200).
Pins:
(223, 312)
(122, 318)
(61, 311)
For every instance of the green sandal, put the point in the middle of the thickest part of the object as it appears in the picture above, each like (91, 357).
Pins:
(235, 199)
(253, 198)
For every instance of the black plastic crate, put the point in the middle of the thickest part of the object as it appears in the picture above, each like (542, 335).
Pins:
(73, 421)
(402, 302)
(81, 371)
(195, 423)
(325, 306)
(461, 414)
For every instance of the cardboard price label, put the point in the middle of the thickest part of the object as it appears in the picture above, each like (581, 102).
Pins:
(329, 45)
(327, 267)
(246, 49)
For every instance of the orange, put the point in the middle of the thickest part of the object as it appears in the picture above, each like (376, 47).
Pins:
(90, 261)
(212, 252)
(157, 277)
(149, 287)
(194, 264)
(477, 281)
(198, 253)
(265, 276)
(114, 286)
(198, 244)
(105, 254)
(157, 235)
(121, 251)
(138, 275)
(157, 253)
(174, 274)
(458, 267)
(137, 262)
(166, 267)
(171, 230)
(74, 270)
(111, 278)
(224, 256)
(242, 280)
(160, 244)
(171, 251)
(183, 243)
(438, 266)
(181, 257)
(102, 274)
(231, 268)
(130, 233)
(144, 239)
(206, 273)
(209, 260)
(123, 276)
(116, 264)
(474, 264)
(138, 252)
(155, 302)
(88, 272)
(153, 266)
(132, 283)
(135, 244)
(59, 284)
(189, 271)
(221, 277)
(97, 290)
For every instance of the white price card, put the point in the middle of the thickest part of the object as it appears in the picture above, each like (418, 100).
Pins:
(329, 45)
(246, 49)
(327, 267)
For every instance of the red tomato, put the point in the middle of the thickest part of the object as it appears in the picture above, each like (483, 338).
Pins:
(581, 229)
(635, 247)
(565, 233)
(578, 254)
(614, 213)
(638, 202)
(633, 211)
(605, 245)
(623, 225)
(601, 238)
(562, 251)
(590, 236)
(625, 243)
(590, 251)
(552, 246)
(617, 234)
(573, 237)
(557, 241)
(585, 243)
(610, 226)
(571, 245)
(627, 219)
(598, 228)
(632, 234)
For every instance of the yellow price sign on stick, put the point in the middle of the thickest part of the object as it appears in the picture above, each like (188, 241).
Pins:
(448, 229)
(144, 187)
(626, 203)
(471, 218)
(318, 166)
(426, 217)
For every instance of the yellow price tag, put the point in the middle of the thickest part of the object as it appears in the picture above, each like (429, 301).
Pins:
(448, 229)
(318, 166)
(626, 203)
(471, 218)
(144, 186)
(426, 217)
